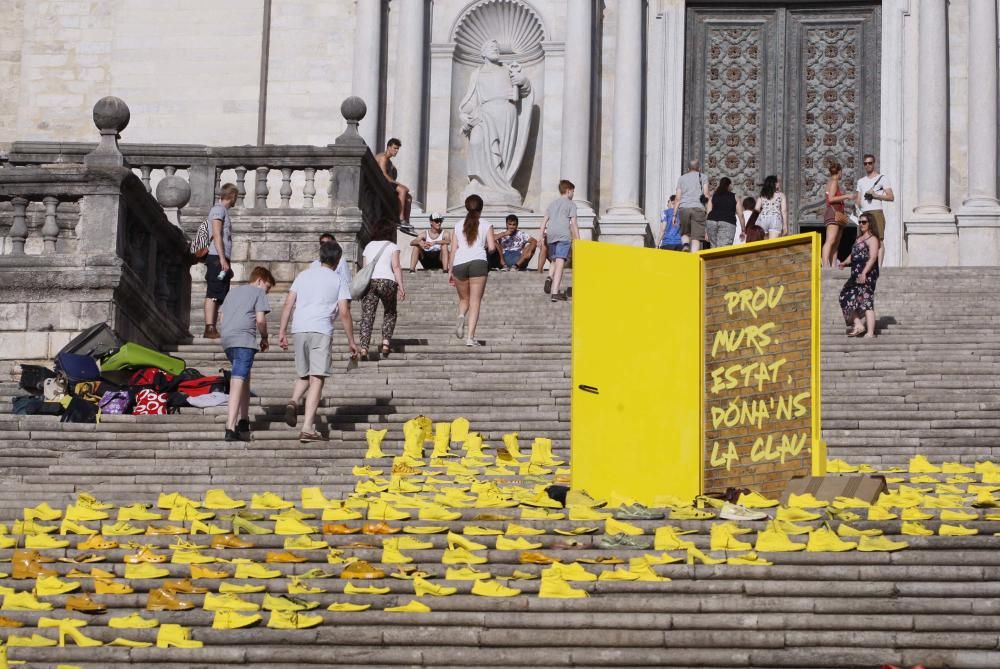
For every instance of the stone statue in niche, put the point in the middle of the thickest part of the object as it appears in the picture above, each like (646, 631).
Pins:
(496, 117)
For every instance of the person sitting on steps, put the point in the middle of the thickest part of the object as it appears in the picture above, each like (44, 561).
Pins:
(384, 160)
(516, 246)
(431, 247)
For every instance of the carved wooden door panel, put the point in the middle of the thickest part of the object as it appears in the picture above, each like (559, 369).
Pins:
(782, 90)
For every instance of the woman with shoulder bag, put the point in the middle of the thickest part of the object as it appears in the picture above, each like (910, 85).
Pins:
(386, 285)
(834, 216)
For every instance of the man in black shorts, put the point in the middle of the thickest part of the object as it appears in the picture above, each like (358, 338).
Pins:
(218, 271)
(431, 246)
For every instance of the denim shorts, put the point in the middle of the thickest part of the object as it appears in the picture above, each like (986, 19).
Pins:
(242, 360)
(511, 257)
(559, 250)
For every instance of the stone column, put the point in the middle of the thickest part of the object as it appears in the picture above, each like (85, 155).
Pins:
(408, 103)
(627, 132)
(368, 65)
(932, 112)
(576, 124)
(439, 126)
(979, 217)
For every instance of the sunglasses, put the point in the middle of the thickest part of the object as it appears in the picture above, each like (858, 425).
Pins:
(863, 220)
(869, 162)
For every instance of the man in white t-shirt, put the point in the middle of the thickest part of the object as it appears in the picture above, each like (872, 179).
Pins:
(314, 297)
(873, 189)
(343, 271)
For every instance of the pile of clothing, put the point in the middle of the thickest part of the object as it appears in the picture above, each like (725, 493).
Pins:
(98, 374)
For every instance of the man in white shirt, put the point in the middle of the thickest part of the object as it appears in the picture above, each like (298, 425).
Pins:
(343, 271)
(315, 296)
(873, 189)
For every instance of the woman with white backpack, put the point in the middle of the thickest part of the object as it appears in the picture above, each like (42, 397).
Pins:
(386, 285)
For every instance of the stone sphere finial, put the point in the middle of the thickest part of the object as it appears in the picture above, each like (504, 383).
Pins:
(173, 192)
(353, 109)
(111, 114)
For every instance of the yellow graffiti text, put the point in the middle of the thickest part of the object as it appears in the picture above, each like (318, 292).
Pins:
(723, 459)
(751, 335)
(765, 450)
(756, 373)
(740, 412)
(754, 301)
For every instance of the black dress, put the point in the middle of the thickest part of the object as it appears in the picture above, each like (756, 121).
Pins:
(857, 298)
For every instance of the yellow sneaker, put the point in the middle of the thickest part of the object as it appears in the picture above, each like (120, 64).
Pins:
(137, 512)
(723, 539)
(519, 544)
(172, 499)
(806, 501)
(461, 556)
(493, 589)
(230, 620)
(825, 540)
(577, 512)
(144, 571)
(667, 539)
(240, 589)
(218, 499)
(176, 636)
(269, 501)
(466, 574)
(880, 513)
(84, 514)
(845, 530)
(133, 621)
(956, 530)
(347, 607)
(952, 515)
(645, 572)
(256, 571)
(422, 587)
(43, 541)
(915, 529)
(555, 587)
(42, 512)
(880, 545)
(231, 602)
(838, 466)
(773, 540)
(410, 607)
(913, 513)
(542, 514)
(794, 515)
(755, 500)
(612, 527)
(921, 465)
(291, 526)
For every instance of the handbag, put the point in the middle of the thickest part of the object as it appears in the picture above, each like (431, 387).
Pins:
(361, 280)
(840, 217)
(150, 403)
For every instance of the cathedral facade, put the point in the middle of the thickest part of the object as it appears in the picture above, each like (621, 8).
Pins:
(506, 97)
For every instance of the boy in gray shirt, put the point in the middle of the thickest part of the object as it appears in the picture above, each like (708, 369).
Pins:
(559, 229)
(244, 314)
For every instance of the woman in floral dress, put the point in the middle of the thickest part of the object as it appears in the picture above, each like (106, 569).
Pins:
(857, 298)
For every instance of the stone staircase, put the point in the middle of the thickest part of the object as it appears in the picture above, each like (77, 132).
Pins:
(925, 386)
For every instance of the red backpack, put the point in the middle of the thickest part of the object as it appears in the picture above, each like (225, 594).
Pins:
(199, 386)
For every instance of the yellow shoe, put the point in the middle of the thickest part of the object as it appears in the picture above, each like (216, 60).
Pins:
(461, 556)
(519, 544)
(91, 502)
(949, 514)
(133, 621)
(880, 545)
(913, 513)
(723, 539)
(43, 541)
(293, 514)
(837, 466)
(199, 527)
(218, 499)
(462, 542)
(612, 527)
(177, 636)
(466, 574)
(71, 527)
(120, 528)
(411, 607)
(825, 540)
(586, 513)
(293, 620)
(291, 526)
(806, 501)
(313, 498)
(121, 642)
(347, 607)
(512, 446)
(198, 571)
(172, 499)
(755, 500)
(230, 620)
(30, 527)
(240, 589)
(773, 540)
(137, 512)
(641, 568)
(880, 513)
(340, 514)
(667, 539)
(297, 587)
(617, 575)
(750, 560)
(576, 531)
(493, 589)
(555, 587)
(144, 571)
(542, 514)
(42, 512)
(84, 514)
(690, 513)
(188, 512)
(351, 589)
(422, 587)
(391, 555)
(663, 558)
(793, 515)
(374, 439)
(921, 465)
(104, 587)
(256, 571)
(191, 557)
(924, 479)
(269, 501)
(696, 555)
(574, 571)
(23, 601)
(232, 602)
(33, 641)
(408, 543)
(915, 529)
(841, 502)
(477, 531)
(956, 530)
(845, 530)
(144, 554)
(379, 510)
(304, 543)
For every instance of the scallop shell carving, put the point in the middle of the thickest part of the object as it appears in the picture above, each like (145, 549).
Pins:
(516, 27)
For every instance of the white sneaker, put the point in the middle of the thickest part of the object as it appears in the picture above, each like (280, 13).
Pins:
(472, 342)
(736, 512)
(460, 326)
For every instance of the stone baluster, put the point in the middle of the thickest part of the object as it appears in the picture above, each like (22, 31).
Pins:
(932, 118)
(576, 98)
(19, 227)
(146, 170)
(169, 170)
(286, 187)
(50, 230)
(261, 191)
(309, 190)
(241, 186)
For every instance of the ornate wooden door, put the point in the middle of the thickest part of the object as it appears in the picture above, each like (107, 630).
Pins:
(782, 90)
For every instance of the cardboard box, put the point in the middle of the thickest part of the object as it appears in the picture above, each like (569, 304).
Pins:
(827, 488)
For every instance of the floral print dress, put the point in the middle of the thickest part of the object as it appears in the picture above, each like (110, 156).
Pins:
(857, 298)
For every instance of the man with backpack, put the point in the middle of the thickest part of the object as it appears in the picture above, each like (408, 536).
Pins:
(218, 271)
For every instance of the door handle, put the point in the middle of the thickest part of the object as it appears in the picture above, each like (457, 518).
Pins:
(589, 389)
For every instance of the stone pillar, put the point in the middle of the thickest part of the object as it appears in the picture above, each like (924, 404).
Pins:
(439, 126)
(409, 101)
(624, 219)
(576, 124)
(979, 217)
(932, 112)
(368, 65)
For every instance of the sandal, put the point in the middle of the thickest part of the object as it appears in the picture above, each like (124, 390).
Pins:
(856, 332)
(385, 350)
(362, 353)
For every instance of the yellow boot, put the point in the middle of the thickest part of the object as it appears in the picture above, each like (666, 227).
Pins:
(513, 447)
(442, 440)
(374, 438)
(459, 429)
(177, 636)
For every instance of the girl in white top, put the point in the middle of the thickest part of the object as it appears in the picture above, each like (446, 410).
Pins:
(386, 285)
(468, 268)
(773, 209)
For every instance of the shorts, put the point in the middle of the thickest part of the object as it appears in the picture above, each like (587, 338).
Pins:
(216, 288)
(672, 247)
(770, 223)
(877, 218)
(242, 360)
(471, 270)
(312, 354)
(693, 222)
(559, 250)
(431, 259)
(511, 258)
(720, 233)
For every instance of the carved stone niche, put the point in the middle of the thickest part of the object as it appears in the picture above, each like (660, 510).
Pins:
(498, 82)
